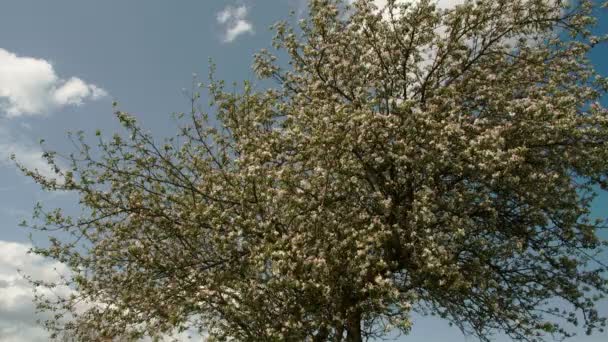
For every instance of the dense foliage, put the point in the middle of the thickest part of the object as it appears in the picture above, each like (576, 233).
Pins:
(413, 160)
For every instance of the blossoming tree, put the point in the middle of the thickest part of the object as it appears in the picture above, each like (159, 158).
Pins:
(411, 159)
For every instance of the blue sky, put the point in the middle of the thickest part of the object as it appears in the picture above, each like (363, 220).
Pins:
(63, 62)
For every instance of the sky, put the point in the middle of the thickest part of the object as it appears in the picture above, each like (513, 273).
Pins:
(63, 63)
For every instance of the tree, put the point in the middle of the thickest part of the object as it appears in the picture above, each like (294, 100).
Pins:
(412, 159)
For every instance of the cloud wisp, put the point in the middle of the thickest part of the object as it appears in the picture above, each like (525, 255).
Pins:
(30, 86)
(234, 22)
(26, 153)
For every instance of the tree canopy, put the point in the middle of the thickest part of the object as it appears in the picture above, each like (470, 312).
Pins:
(411, 159)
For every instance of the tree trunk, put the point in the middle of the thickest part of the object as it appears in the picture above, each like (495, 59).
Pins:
(321, 335)
(353, 328)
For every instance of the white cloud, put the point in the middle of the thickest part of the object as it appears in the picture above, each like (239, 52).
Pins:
(17, 312)
(30, 86)
(234, 21)
(75, 90)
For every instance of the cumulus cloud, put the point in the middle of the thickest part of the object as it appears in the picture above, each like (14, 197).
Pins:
(30, 86)
(17, 312)
(234, 22)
